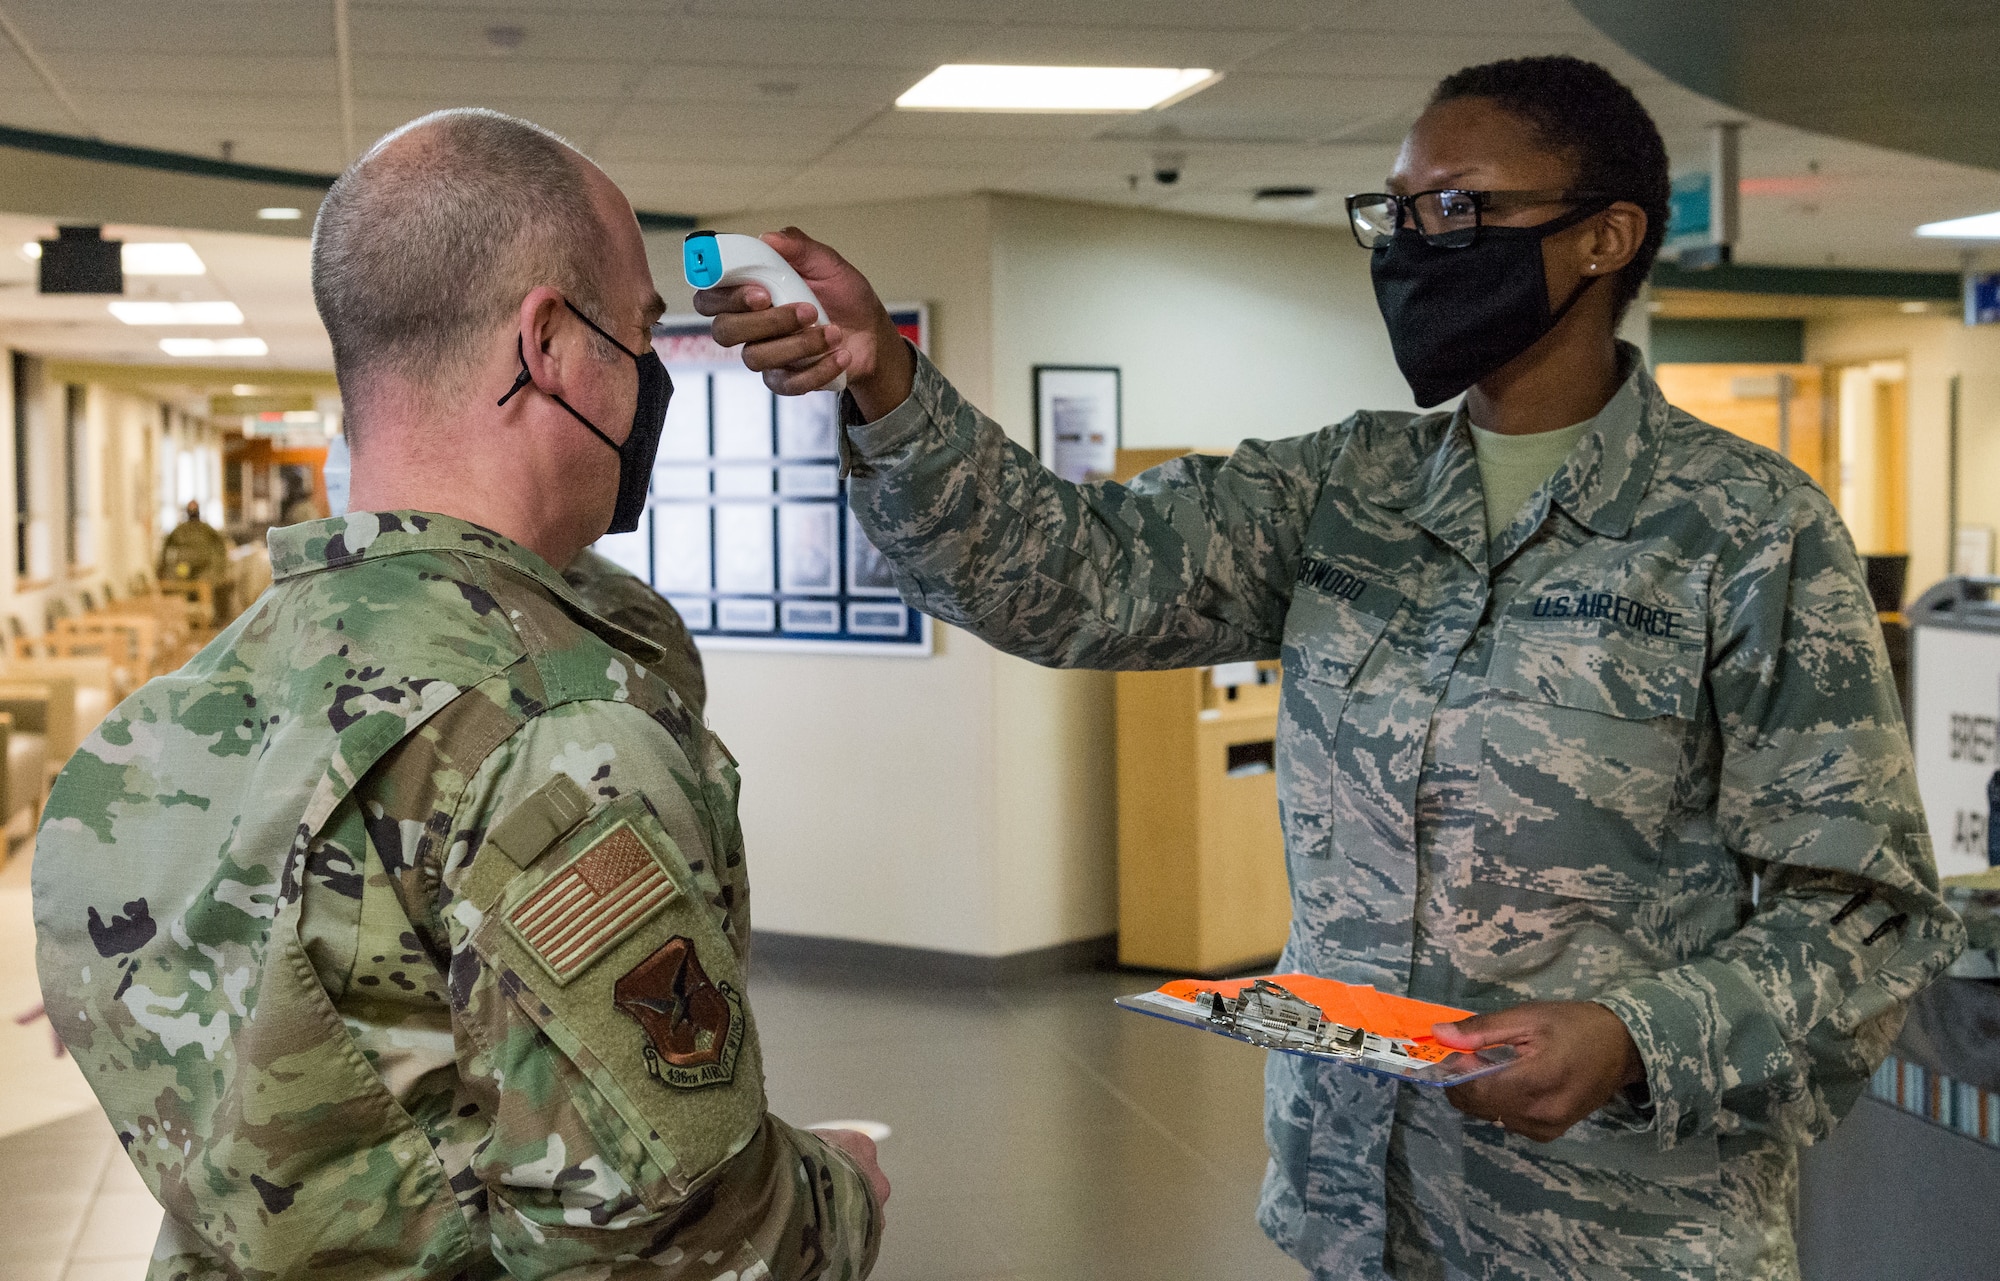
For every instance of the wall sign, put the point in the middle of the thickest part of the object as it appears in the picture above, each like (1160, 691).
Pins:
(1078, 420)
(1982, 298)
(747, 530)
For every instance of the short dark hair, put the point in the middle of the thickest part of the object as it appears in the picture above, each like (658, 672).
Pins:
(419, 252)
(1579, 107)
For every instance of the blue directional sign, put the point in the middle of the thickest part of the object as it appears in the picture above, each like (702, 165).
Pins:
(1982, 298)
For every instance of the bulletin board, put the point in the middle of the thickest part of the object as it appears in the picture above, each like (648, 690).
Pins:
(747, 530)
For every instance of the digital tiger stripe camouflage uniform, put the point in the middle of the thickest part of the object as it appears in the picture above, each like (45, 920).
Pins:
(280, 929)
(1643, 748)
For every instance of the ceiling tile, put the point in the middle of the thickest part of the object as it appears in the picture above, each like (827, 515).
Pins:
(517, 79)
(1204, 14)
(1430, 57)
(823, 41)
(1120, 46)
(174, 28)
(220, 115)
(1281, 108)
(813, 86)
(970, 127)
(1467, 17)
(89, 72)
(374, 117)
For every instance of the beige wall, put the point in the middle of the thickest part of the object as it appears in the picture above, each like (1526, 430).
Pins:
(966, 803)
(1224, 330)
(1935, 348)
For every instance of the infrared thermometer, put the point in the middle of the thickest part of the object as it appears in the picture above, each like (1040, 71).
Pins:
(712, 258)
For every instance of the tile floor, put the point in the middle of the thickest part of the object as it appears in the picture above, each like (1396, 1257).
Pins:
(1039, 1133)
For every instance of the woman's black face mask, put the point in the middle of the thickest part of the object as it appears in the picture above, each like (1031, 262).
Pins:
(642, 444)
(1456, 315)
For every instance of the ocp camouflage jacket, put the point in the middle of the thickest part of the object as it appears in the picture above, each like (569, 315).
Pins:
(402, 934)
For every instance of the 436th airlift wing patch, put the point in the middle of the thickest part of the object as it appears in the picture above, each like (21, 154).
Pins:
(694, 1026)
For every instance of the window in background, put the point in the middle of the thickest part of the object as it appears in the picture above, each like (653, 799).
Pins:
(22, 388)
(34, 552)
(78, 543)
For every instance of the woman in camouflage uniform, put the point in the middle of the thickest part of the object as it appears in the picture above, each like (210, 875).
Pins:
(1586, 721)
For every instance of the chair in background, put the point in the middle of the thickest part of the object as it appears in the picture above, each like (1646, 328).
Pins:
(48, 705)
(23, 775)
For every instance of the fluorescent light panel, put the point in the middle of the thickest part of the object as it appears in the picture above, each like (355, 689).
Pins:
(214, 346)
(1984, 226)
(280, 213)
(170, 258)
(983, 87)
(177, 313)
(155, 258)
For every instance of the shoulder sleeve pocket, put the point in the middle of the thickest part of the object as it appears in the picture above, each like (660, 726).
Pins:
(608, 945)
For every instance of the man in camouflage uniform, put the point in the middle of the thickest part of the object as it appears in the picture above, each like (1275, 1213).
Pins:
(194, 549)
(402, 933)
(1639, 749)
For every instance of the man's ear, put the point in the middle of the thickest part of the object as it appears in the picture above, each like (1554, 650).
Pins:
(539, 325)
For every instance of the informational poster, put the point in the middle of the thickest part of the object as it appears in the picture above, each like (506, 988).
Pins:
(1954, 725)
(747, 529)
(1077, 420)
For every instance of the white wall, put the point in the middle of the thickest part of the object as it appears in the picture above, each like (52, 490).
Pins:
(1935, 348)
(966, 803)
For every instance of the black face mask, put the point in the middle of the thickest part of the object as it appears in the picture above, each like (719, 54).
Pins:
(1456, 315)
(649, 419)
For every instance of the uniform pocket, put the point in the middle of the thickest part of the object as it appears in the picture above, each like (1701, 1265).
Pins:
(1580, 755)
(1327, 642)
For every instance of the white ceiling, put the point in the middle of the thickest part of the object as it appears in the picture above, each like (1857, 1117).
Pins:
(710, 106)
(268, 277)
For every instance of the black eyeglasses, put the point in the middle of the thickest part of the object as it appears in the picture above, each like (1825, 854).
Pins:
(1447, 218)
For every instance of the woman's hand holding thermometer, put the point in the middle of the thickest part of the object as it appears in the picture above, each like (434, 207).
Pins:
(805, 318)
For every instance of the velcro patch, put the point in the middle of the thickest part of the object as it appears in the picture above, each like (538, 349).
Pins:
(591, 904)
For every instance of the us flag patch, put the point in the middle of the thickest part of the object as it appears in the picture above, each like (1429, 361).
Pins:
(590, 905)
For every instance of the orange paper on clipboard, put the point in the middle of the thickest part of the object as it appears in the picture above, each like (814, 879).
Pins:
(1352, 1004)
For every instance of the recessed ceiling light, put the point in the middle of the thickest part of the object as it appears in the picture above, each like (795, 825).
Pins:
(214, 346)
(242, 389)
(1984, 226)
(177, 313)
(32, 251)
(981, 87)
(169, 258)
(280, 213)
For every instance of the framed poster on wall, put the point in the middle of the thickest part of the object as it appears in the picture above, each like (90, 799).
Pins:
(747, 529)
(1078, 420)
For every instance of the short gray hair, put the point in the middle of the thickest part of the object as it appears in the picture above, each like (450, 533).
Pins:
(421, 251)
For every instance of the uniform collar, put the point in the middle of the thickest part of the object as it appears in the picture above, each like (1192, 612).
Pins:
(1599, 485)
(341, 541)
(1607, 473)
